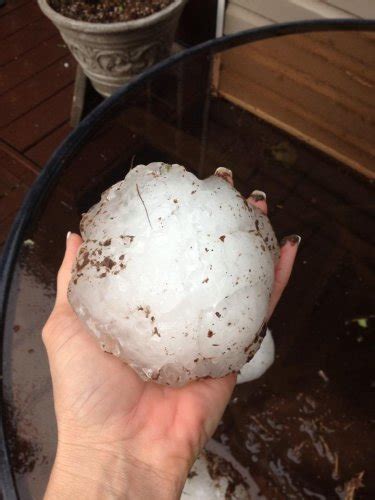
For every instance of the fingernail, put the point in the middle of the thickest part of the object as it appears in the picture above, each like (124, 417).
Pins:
(225, 174)
(257, 195)
(68, 235)
(293, 239)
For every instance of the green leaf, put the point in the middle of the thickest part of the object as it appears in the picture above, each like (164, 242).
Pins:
(362, 322)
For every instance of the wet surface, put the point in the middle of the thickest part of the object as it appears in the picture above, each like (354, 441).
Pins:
(306, 428)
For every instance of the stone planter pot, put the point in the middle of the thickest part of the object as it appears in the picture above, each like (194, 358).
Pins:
(111, 54)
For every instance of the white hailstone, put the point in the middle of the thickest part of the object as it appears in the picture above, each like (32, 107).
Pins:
(262, 360)
(217, 475)
(212, 478)
(174, 274)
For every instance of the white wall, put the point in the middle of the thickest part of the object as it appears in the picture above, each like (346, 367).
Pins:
(245, 14)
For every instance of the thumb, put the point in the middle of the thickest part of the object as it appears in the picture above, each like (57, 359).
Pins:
(73, 242)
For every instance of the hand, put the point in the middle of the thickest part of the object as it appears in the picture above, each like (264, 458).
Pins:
(119, 436)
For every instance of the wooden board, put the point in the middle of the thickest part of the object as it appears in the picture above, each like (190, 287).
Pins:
(36, 83)
(32, 127)
(12, 5)
(318, 87)
(31, 63)
(16, 175)
(16, 102)
(10, 23)
(25, 39)
(41, 152)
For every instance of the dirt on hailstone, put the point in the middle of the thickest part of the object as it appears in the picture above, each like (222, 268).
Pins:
(108, 11)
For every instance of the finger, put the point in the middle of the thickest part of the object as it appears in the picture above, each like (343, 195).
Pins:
(225, 174)
(258, 199)
(288, 252)
(73, 242)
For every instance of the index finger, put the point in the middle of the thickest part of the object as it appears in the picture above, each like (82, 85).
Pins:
(258, 199)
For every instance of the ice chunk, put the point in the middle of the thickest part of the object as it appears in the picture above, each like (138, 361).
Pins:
(174, 274)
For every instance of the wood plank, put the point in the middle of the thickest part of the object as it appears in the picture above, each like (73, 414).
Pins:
(355, 115)
(32, 62)
(14, 167)
(40, 121)
(293, 119)
(8, 179)
(16, 176)
(5, 226)
(10, 202)
(36, 89)
(26, 39)
(349, 50)
(348, 125)
(320, 91)
(12, 5)
(345, 132)
(10, 23)
(325, 71)
(41, 152)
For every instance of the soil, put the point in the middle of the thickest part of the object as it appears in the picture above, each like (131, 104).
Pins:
(108, 11)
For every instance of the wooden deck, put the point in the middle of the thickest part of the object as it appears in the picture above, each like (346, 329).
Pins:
(36, 86)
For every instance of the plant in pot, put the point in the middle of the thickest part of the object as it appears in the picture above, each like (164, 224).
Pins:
(115, 40)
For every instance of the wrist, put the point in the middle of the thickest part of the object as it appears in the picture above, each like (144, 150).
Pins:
(99, 473)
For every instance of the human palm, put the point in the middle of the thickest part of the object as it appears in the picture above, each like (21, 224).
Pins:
(105, 403)
(102, 404)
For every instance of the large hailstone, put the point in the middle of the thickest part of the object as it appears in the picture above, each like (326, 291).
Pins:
(260, 363)
(217, 475)
(174, 274)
